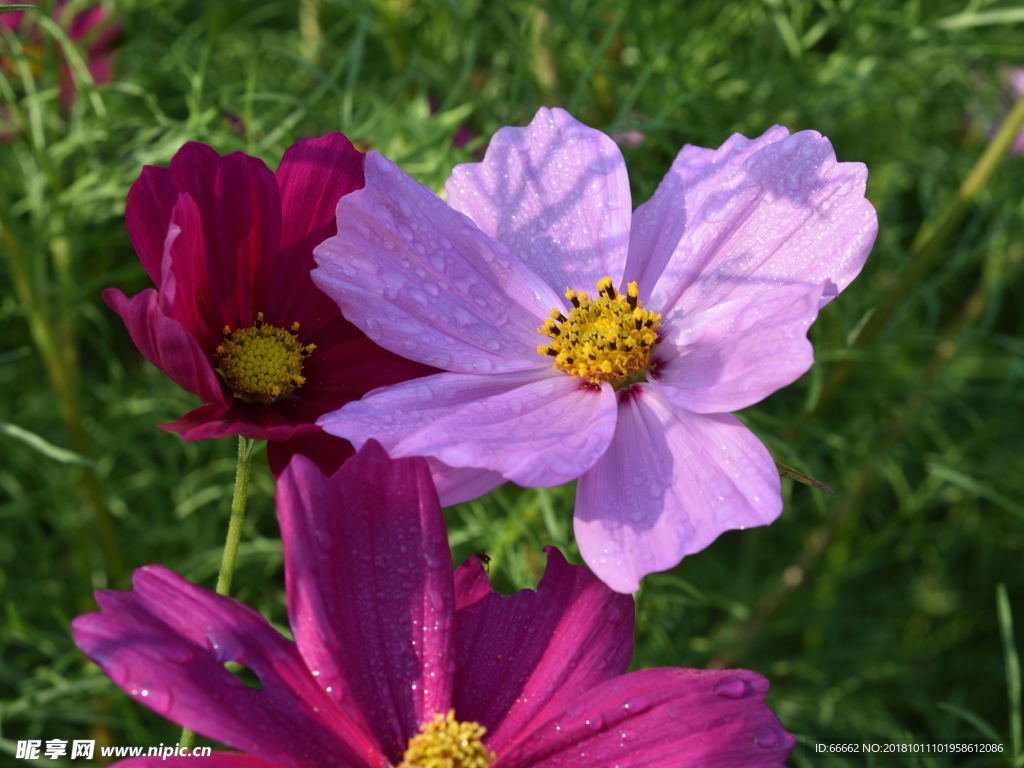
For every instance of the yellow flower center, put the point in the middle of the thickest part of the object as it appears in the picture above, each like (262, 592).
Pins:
(446, 743)
(262, 363)
(607, 338)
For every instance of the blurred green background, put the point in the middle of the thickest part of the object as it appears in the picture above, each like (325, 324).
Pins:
(875, 612)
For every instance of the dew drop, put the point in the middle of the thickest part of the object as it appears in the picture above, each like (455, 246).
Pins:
(766, 737)
(732, 688)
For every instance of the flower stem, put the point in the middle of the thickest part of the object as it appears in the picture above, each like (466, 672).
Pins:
(238, 499)
(227, 562)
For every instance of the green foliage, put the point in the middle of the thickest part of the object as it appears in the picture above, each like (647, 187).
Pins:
(873, 612)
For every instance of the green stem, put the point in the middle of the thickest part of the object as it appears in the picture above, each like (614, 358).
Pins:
(238, 499)
(230, 556)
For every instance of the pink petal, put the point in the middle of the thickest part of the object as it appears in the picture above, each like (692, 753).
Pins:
(314, 174)
(369, 587)
(669, 484)
(661, 718)
(166, 643)
(522, 658)
(148, 216)
(755, 213)
(458, 484)
(326, 451)
(556, 194)
(215, 760)
(535, 428)
(737, 353)
(166, 344)
(422, 281)
(240, 225)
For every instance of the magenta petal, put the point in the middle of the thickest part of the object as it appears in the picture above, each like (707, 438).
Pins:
(422, 281)
(148, 216)
(535, 428)
(556, 194)
(522, 658)
(255, 421)
(736, 354)
(327, 451)
(166, 344)
(166, 642)
(369, 583)
(314, 174)
(668, 485)
(215, 760)
(661, 718)
(753, 214)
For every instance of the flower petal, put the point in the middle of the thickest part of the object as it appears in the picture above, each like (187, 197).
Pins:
(535, 428)
(422, 281)
(257, 421)
(326, 451)
(240, 220)
(661, 718)
(166, 643)
(166, 344)
(737, 353)
(369, 587)
(148, 217)
(556, 194)
(757, 212)
(458, 484)
(314, 174)
(668, 485)
(521, 658)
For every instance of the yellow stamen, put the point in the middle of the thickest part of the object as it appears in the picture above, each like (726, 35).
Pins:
(446, 743)
(608, 338)
(262, 363)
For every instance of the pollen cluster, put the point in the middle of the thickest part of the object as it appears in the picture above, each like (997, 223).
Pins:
(262, 363)
(446, 743)
(607, 338)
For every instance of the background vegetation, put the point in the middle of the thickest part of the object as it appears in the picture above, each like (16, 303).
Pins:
(875, 612)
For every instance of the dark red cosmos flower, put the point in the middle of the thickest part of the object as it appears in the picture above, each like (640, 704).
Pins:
(234, 317)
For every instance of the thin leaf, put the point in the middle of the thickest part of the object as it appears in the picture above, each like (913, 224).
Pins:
(45, 447)
(800, 477)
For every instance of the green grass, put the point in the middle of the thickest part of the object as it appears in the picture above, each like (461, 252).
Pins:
(874, 612)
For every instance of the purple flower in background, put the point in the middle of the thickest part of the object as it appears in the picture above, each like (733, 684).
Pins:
(1014, 78)
(397, 657)
(703, 299)
(91, 28)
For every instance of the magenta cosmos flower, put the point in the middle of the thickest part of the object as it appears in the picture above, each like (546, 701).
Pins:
(399, 661)
(91, 28)
(234, 317)
(701, 300)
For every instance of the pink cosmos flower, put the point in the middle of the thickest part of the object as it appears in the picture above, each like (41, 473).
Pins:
(396, 657)
(91, 28)
(703, 299)
(234, 317)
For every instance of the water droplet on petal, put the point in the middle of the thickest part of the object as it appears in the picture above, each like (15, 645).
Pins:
(732, 688)
(766, 737)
